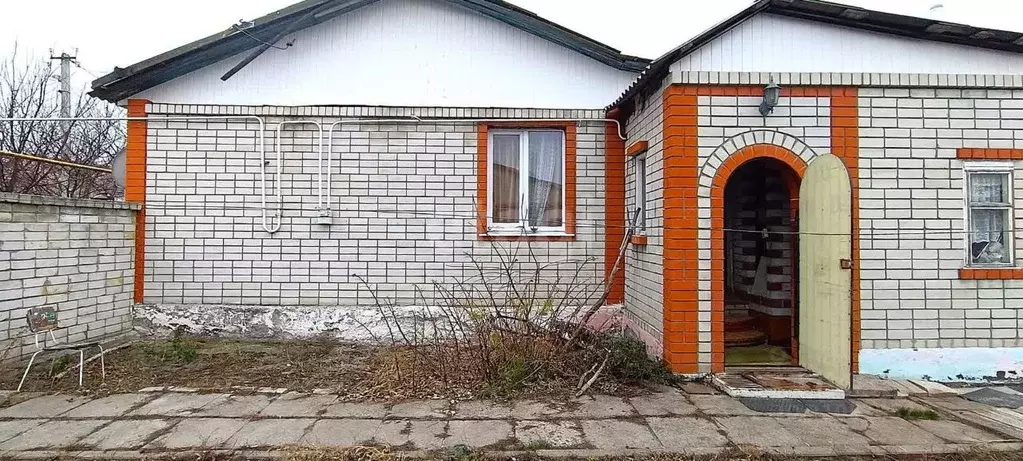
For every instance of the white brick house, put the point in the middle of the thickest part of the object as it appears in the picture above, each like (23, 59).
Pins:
(863, 223)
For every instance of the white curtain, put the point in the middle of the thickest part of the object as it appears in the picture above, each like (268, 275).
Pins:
(988, 226)
(545, 148)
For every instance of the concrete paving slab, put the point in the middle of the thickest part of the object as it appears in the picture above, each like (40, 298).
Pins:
(298, 405)
(891, 406)
(125, 435)
(953, 403)
(999, 420)
(721, 405)
(698, 389)
(420, 409)
(395, 433)
(873, 386)
(827, 431)
(46, 406)
(9, 429)
(341, 432)
(549, 434)
(681, 434)
(109, 406)
(662, 404)
(933, 388)
(995, 398)
(618, 434)
(427, 435)
(199, 432)
(480, 433)
(757, 431)
(482, 409)
(176, 404)
(236, 406)
(889, 430)
(355, 410)
(533, 409)
(53, 434)
(956, 432)
(596, 407)
(269, 433)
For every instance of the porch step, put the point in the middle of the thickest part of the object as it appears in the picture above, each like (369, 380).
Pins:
(776, 383)
(739, 322)
(744, 338)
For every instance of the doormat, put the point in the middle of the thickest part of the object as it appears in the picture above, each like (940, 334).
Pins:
(767, 405)
(995, 398)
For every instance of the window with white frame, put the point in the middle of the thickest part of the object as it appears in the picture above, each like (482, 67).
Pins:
(989, 213)
(641, 200)
(526, 181)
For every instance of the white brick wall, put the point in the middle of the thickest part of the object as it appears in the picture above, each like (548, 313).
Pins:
(404, 207)
(74, 255)
(912, 218)
(643, 271)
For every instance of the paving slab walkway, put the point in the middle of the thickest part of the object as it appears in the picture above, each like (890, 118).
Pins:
(141, 424)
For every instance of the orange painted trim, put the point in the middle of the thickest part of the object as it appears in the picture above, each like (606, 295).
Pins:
(845, 144)
(680, 254)
(135, 187)
(638, 240)
(571, 181)
(973, 153)
(976, 273)
(637, 148)
(614, 209)
(680, 259)
(717, 235)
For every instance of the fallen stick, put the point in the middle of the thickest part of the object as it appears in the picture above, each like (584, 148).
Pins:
(593, 378)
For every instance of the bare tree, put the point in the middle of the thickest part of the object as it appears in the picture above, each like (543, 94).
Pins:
(28, 90)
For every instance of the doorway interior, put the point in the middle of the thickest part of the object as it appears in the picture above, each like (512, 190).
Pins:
(761, 203)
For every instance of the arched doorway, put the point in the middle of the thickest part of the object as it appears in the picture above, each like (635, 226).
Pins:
(760, 267)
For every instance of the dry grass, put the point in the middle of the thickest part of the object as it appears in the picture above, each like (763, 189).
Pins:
(356, 372)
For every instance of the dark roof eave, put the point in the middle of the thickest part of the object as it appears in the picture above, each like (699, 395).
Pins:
(123, 83)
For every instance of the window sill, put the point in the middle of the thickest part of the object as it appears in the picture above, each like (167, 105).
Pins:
(638, 240)
(992, 273)
(506, 236)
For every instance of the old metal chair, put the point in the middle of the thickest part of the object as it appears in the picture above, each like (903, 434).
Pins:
(42, 321)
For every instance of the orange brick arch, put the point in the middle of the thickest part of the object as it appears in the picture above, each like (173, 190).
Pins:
(797, 167)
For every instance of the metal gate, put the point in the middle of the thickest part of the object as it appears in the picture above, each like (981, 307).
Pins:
(825, 276)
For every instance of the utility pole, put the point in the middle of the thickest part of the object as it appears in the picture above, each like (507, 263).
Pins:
(65, 82)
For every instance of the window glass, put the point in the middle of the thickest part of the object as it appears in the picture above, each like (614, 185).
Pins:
(505, 178)
(546, 198)
(990, 215)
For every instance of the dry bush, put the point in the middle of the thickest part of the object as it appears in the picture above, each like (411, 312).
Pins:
(517, 322)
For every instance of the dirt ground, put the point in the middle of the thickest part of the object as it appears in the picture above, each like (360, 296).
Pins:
(356, 372)
(209, 365)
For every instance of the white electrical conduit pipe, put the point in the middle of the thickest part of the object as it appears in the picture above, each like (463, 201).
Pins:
(174, 118)
(280, 169)
(438, 120)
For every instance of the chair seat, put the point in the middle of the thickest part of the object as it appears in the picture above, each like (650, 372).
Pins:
(64, 347)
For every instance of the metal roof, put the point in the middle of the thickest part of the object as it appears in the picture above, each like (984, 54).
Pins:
(839, 15)
(257, 34)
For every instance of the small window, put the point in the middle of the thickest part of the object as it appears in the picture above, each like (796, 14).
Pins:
(989, 214)
(641, 201)
(527, 181)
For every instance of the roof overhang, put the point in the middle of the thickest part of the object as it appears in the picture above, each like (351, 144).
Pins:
(839, 15)
(125, 82)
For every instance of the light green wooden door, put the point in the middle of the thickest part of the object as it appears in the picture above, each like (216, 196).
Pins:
(825, 248)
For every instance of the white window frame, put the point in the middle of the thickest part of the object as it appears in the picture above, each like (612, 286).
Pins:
(522, 226)
(640, 192)
(989, 167)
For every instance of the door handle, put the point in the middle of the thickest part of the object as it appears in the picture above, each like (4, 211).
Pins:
(845, 263)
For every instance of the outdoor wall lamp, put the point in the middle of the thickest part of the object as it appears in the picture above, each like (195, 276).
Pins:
(771, 94)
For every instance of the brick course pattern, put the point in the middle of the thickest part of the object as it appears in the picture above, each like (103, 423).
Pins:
(916, 291)
(75, 255)
(404, 207)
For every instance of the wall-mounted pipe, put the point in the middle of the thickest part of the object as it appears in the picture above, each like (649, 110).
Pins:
(324, 215)
(175, 118)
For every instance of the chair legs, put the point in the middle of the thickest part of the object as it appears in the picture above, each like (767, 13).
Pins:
(29, 367)
(81, 366)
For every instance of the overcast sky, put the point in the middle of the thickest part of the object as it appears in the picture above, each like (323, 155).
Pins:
(121, 32)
